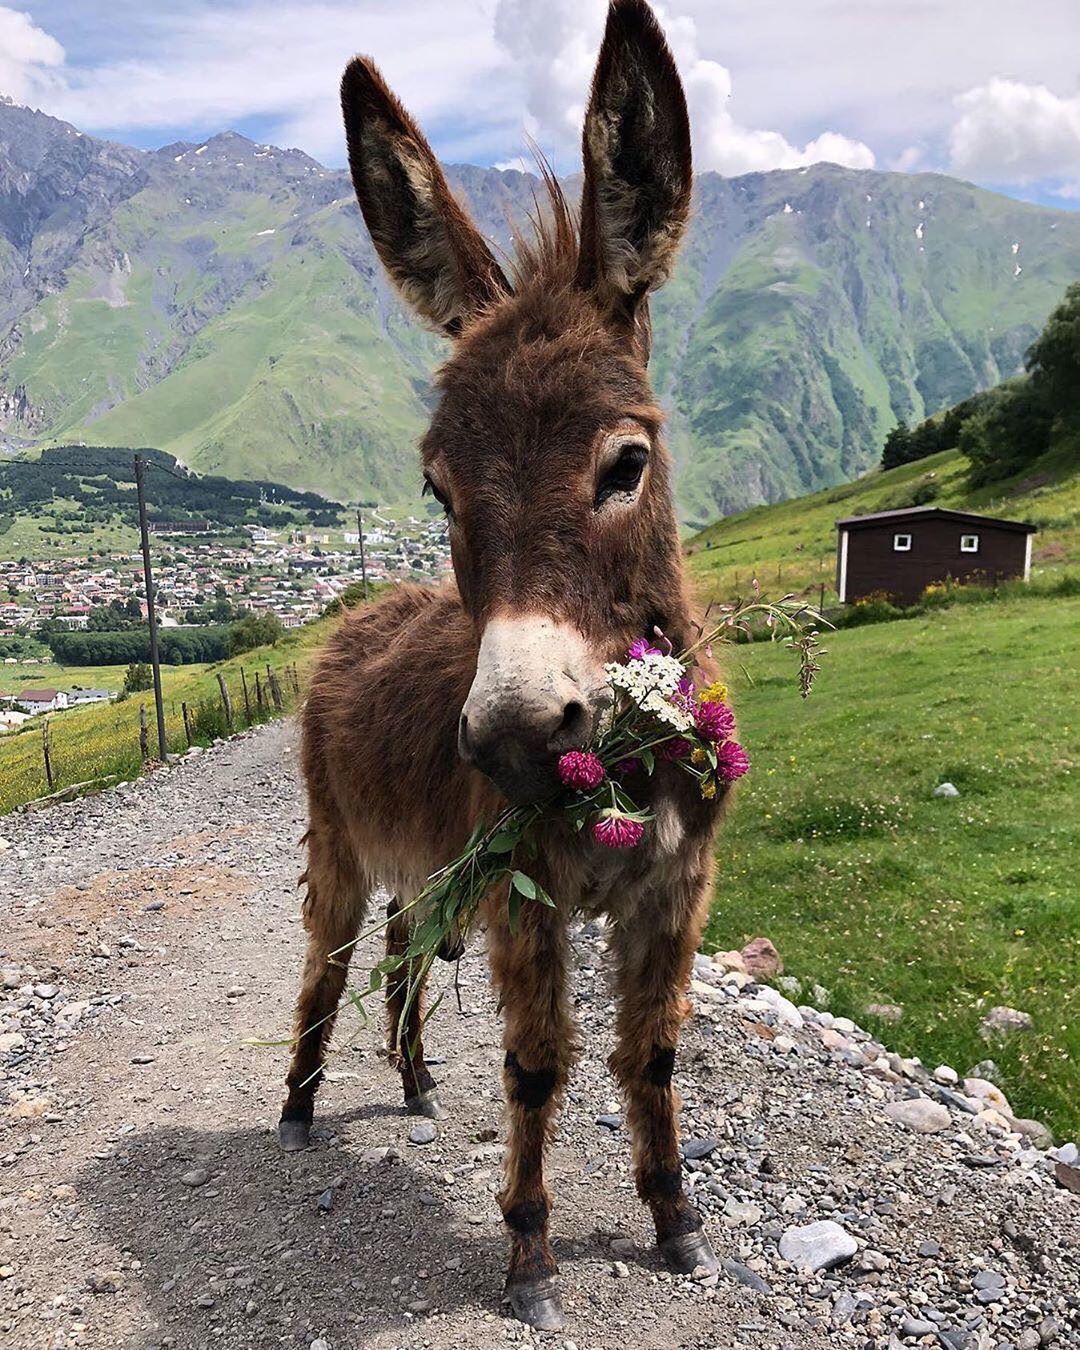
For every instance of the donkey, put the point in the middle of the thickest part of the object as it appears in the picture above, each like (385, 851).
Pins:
(435, 707)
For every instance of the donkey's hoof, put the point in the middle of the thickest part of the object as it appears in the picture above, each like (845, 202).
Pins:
(294, 1135)
(537, 1304)
(687, 1252)
(425, 1104)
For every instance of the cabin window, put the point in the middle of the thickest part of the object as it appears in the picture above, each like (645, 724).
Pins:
(901, 543)
(969, 543)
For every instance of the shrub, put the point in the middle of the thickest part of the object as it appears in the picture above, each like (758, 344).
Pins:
(138, 676)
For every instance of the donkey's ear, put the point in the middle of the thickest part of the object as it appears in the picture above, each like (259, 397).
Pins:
(432, 250)
(638, 171)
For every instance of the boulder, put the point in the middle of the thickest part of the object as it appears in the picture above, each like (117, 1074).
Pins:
(919, 1114)
(817, 1246)
(730, 961)
(1003, 1021)
(761, 959)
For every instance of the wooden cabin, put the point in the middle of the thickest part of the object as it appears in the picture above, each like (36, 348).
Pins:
(899, 553)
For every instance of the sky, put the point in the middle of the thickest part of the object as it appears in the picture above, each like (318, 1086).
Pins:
(988, 90)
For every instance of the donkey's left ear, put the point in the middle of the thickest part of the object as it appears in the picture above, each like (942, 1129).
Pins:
(638, 169)
(434, 253)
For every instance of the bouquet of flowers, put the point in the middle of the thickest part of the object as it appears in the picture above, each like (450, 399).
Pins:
(658, 715)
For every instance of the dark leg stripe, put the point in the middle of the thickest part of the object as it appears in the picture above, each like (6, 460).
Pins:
(662, 1183)
(527, 1218)
(532, 1087)
(660, 1068)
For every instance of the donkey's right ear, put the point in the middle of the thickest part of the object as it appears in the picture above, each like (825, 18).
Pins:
(432, 250)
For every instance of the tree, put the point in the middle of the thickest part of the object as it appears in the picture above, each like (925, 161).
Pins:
(1053, 359)
(1011, 429)
(255, 630)
(138, 677)
(897, 446)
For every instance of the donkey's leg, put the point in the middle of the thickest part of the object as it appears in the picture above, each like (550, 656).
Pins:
(529, 969)
(337, 896)
(404, 1041)
(652, 968)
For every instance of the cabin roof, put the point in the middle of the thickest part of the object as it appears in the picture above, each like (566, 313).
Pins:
(915, 513)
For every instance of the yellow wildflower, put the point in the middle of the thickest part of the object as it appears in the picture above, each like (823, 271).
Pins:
(716, 692)
(708, 788)
(698, 756)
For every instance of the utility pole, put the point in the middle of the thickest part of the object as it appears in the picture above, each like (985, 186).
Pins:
(363, 561)
(151, 617)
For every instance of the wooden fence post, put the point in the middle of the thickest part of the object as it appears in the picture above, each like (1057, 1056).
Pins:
(259, 693)
(144, 740)
(275, 689)
(295, 679)
(47, 753)
(187, 725)
(247, 700)
(226, 702)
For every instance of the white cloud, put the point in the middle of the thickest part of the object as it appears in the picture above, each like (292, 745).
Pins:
(1012, 133)
(28, 56)
(554, 47)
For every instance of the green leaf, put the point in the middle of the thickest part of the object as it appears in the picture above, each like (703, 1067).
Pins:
(520, 882)
(648, 759)
(504, 842)
(544, 898)
(513, 909)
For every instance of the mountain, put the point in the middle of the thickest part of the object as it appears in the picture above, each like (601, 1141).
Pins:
(222, 301)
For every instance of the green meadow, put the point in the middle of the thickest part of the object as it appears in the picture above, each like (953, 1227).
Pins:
(868, 884)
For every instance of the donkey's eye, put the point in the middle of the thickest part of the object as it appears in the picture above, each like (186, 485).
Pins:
(622, 477)
(437, 492)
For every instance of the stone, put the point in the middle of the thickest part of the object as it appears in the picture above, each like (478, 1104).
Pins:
(944, 1073)
(985, 1091)
(761, 959)
(1067, 1154)
(620, 1270)
(884, 1012)
(610, 1122)
(198, 1176)
(622, 1247)
(1034, 1130)
(988, 1279)
(237, 991)
(143, 1059)
(744, 1275)
(946, 790)
(817, 1246)
(919, 1114)
(1067, 1176)
(989, 1118)
(914, 1327)
(730, 961)
(929, 1249)
(696, 1149)
(423, 1132)
(11, 1041)
(738, 1212)
(1004, 1021)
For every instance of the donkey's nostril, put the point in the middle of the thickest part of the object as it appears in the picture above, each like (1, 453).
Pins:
(464, 750)
(573, 726)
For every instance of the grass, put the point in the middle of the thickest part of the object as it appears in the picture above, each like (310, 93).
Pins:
(792, 546)
(51, 675)
(102, 740)
(838, 851)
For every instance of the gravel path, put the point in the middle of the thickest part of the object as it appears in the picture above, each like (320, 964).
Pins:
(146, 933)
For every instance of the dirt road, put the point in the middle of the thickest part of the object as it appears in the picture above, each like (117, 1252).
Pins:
(147, 933)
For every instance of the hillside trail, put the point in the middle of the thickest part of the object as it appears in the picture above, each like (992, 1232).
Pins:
(148, 933)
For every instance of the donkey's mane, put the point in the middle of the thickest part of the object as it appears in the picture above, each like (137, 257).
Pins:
(546, 248)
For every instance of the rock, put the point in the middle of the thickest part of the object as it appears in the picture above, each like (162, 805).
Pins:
(319, 1344)
(947, 1075)
(989, 1118)
(1003, 1021)
(620, 1270)
(143, 1059)
(919, 1114)
(198, 1176)
(696, 1149)
(45, 991)
(784, 1009)
(730, 961)
(914, 1327)
(744, 1275)
(817, 1246)
(929, 1249)
(985, 1091)
(884, 1012)
(761, 959)
(11, 1041)
(737, 1212)
(326, 1200)
(988, 1279)
(237, 991)
(1067, 1176)
(1034, 1130)
(946, 790)
(154, 906)
(423, 1132)
(610, 1122)
(986, 1068)
(1067, 1153)
(622, 1247)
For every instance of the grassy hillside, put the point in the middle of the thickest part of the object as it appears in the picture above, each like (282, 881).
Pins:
(867, 883)
(792, 546)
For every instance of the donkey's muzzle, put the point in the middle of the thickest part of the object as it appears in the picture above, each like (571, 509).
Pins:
(538, 693)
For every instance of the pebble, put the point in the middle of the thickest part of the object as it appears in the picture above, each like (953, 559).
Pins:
(946, 790)
(423, 1132)
(817, 1246)
(696, 1149)
(744, 1275)
(198, 1176)
(919, 1114)
(610, 1122)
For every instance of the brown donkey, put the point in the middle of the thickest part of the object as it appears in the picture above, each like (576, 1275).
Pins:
(435, 707)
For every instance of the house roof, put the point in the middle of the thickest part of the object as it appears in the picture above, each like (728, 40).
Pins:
(36, 696)
(914, 513)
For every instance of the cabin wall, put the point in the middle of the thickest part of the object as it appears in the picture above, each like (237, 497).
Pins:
(874, 566)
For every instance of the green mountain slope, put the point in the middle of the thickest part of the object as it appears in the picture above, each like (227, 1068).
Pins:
(223, 302)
